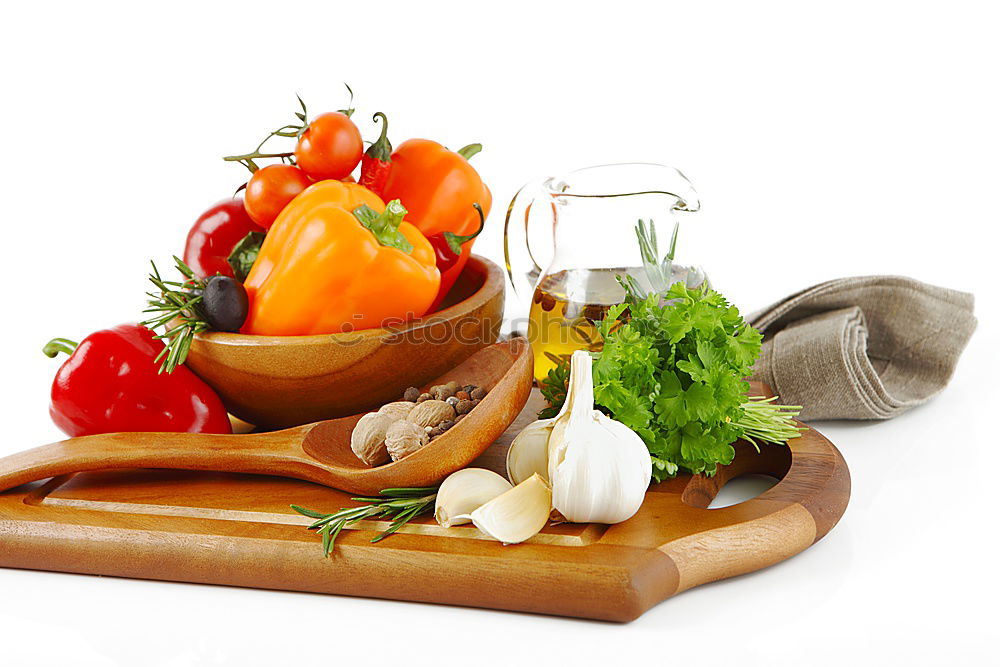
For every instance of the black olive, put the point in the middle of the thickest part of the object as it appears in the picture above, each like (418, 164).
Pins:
(224, 303)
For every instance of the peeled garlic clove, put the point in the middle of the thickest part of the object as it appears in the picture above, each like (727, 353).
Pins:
(529, 452)
(464, 491)
(518, 514)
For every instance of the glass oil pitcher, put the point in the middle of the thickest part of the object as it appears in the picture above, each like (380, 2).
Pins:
(587, 229)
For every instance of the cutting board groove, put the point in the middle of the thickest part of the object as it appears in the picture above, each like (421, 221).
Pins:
(238, 530)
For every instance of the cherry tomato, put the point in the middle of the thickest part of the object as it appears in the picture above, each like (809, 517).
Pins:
(270, 189)
(330, 148)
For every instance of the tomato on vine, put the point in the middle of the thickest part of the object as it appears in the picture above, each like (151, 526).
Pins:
(330, 147)
(327, 148)
(270, 189)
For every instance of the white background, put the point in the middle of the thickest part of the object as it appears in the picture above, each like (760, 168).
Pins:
(825, 140)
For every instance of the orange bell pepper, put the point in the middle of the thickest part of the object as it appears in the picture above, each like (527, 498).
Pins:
(337, 259)
(438, 187)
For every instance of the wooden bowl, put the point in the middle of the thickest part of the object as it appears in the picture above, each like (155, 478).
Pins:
(318, 452)
(281, 381)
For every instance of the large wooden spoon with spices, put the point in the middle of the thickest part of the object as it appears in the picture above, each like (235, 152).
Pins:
(319, 452)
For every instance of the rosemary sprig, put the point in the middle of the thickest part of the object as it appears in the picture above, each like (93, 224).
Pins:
(763, 421)
(659, 271)
(176, 305)
(401, 505)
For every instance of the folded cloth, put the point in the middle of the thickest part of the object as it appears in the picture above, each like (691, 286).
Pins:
(862, 348)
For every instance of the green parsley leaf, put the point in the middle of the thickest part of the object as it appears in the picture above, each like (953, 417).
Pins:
(671, 368)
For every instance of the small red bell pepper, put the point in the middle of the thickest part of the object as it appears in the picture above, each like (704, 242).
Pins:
(214, 236)
(376, 160)
(110, 384)
(438, 187)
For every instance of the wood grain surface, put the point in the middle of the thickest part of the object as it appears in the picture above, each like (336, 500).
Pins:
(318, 453)
(282, 381)
(238, 530)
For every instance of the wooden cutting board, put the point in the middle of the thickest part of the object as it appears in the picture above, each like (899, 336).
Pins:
(238, 530)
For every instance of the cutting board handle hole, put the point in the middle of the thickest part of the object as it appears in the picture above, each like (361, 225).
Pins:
(742, 489)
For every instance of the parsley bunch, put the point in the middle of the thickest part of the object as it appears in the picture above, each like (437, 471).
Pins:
(672, 369)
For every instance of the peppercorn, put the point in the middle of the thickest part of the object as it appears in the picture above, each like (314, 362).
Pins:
(463, 407)
(424, 397)
(477, 394)
(442, 392)
(411, 394)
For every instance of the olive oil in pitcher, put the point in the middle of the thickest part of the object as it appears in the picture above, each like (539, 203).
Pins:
(602, 225)
(568, 305)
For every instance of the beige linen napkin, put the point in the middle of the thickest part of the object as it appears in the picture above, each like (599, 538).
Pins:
(862, 348)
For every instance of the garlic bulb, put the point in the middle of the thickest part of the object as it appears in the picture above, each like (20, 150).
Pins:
(529, 452)
(464, 491)
(599, 468)
(516, 515)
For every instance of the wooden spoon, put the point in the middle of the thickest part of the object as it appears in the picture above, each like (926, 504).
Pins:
(319, 452)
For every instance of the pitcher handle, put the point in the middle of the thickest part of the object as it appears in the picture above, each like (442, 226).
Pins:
(523, 268)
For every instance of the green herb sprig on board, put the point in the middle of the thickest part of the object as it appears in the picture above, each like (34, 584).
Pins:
(672, 369)
(401, 505)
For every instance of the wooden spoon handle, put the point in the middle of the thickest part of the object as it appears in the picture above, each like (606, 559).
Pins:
(267, 453)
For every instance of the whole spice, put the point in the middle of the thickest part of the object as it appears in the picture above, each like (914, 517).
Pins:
(368, 438)
(444, 391)
(464, 491)
(441, 428)
(397, 410)
(430, 413)
(402, 438)
(411, 394)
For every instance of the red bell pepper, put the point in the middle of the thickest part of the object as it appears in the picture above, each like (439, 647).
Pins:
(214, 236)
(439, 187)
(110, 384)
